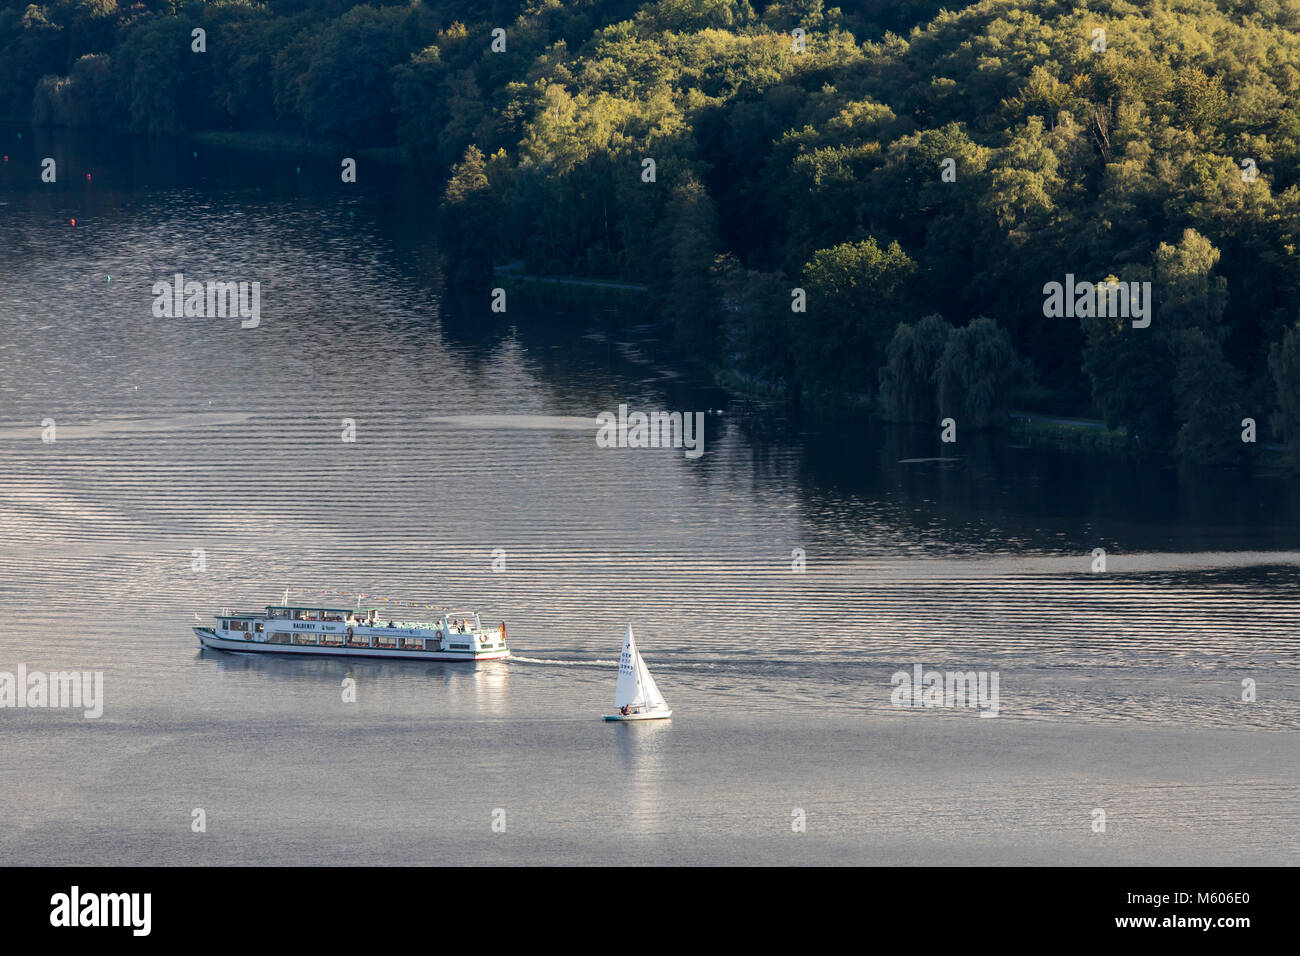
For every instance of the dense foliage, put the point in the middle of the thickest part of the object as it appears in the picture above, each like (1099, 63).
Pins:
(910, 161)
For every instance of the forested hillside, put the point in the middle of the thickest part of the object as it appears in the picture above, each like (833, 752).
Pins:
(1146, 142)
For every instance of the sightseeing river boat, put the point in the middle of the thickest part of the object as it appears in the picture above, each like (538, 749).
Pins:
(355, 632)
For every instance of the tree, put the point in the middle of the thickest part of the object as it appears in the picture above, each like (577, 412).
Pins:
(691, 302)
(420, 98)
(347, 92)
(690, 15)
(1025, 180)
(1284, 363)
(907, 379)
(1134, 371)
(157, 78)
(1206, 388)
(1191, 296)
(471, 218)
(756, 308)
(855, 291)
(975, 375)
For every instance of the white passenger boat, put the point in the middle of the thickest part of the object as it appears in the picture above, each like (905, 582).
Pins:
(636, 695)
(355, 632)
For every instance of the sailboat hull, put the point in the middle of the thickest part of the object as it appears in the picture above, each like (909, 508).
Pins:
(654, 715)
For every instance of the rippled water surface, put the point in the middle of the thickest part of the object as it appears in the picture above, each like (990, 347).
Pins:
(1120, 690)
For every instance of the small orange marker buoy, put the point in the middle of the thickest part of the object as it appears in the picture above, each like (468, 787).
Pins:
(74, 224)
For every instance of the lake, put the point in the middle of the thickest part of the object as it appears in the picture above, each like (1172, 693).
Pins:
(777, 583)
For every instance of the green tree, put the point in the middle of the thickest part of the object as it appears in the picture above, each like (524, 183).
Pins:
(756, 308)
(420, 99)
(1207, 390)
(1284, 363)
(907, 379)
(855, 291)
(347, 91)
(691, 301)
(471, 219)
(1189, 293)
(1134, 371)
(1025, 180)
(976, 373)
(156, 78)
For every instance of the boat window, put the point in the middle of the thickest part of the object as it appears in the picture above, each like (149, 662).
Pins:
(259, 627)
(307, 615)
(331, 616)
(412, 643)
(300, 638)
(278, 614)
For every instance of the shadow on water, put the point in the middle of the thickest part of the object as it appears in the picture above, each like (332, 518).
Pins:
(310, 668)
(985, 493)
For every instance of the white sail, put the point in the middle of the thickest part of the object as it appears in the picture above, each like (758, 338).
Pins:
(629, 691)
(653, 699)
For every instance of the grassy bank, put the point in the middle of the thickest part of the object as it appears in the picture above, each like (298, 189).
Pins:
(1069, 436)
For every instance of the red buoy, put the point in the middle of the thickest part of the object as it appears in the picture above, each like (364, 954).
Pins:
(74, 224)
(87, 177)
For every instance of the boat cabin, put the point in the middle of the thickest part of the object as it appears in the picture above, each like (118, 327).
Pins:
(367, 616)
(359, 627)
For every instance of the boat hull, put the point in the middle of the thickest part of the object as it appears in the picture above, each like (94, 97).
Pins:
(654, 715)
(208, 638)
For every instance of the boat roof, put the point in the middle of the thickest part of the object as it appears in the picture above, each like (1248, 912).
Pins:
(365, 608)
(322, 607)
(362, 611)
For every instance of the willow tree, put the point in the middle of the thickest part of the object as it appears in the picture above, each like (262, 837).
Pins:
(907, 379)
(976, 374)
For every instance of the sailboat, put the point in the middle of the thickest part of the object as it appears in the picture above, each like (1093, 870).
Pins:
(636, 690)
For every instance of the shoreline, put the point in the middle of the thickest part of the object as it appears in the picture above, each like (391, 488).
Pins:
(1064, 433)
(269, 141)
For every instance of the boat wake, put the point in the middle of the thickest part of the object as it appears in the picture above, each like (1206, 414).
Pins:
(516, 659)
(671, 665)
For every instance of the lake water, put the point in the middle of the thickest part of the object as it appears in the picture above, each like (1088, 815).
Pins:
(1119, 691)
